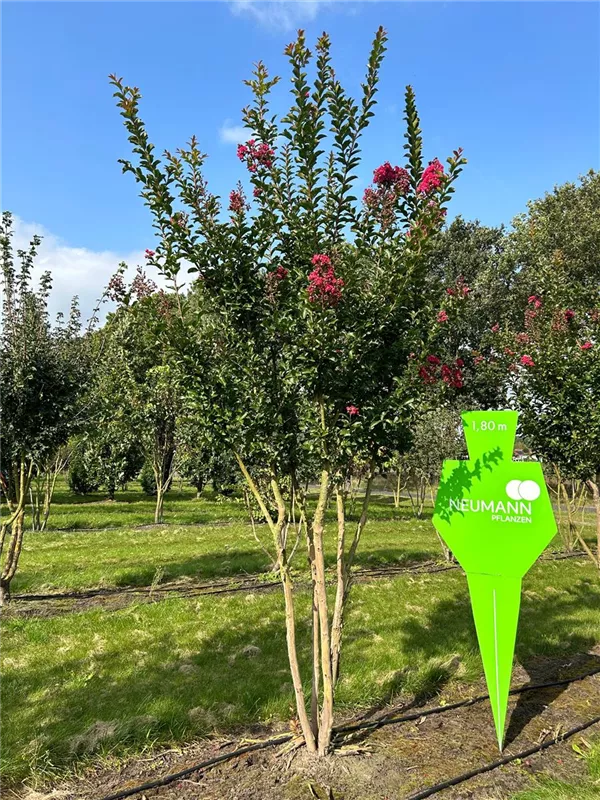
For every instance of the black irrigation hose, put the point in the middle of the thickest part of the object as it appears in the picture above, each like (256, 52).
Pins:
(502, 761)
(224, 587)
(144, 787)
(172, 777)
(208, 588)
(379, 723)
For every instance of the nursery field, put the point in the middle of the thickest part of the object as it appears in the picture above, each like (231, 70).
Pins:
(125, 639)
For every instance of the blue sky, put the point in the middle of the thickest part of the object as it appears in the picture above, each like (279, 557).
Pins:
(515, 84)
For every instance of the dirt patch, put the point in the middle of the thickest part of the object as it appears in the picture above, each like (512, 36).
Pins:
(393, 761)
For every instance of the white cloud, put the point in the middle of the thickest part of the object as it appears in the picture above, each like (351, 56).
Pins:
(278, 14)
(238, 134)
(75, 270)
(233, 134)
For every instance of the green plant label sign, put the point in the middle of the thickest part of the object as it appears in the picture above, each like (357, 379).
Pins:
(496, 517)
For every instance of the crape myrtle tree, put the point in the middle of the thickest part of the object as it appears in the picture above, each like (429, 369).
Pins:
(43, 367)
(555, 352)
(139, 382)
(109, 451)
(320, 318)
(468, 259)
(437, 436)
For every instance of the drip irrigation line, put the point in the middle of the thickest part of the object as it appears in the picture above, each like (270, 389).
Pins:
(502, 761)
(528, 687)
(174, 776)
(224, 587)
(208, 588)
(144, 787)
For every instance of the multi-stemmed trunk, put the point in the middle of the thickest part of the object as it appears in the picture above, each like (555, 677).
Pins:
(12, 528)
(41, 490)
(327, 628)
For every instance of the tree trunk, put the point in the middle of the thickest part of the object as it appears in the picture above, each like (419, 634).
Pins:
(340, 596)
(593, 485)
(326, 721)
(279, 537)
(16, 524)
(13, 552)
(398, 489)
(4, 592)
(160, 502)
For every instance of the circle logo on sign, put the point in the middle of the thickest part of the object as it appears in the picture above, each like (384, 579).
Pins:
(522, 490)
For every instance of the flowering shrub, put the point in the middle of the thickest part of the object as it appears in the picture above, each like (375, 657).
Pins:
(304, 304)
(44, 371)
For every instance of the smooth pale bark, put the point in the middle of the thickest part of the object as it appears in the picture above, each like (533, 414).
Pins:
(593, 486)
(159, 508)
(398, 491)
(326, 721)
(326, 636)
(15, 525)
(290, 620)
(341, 587)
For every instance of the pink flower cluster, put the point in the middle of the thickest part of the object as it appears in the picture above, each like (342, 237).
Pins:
(237, 203)
(387, 176)
(535, 303)
(460, 288)
(432, 177)
(391, 183)
(442, 316)
(586, 346)
(164, 304)
(527, 361)
(116, 289)
(255, 156)
(323, 285)
(569, 315)
(149, 253)
(352, 411)
(434, 370)
(141, 285)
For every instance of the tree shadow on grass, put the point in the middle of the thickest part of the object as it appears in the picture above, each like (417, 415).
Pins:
(548, 647)
(148, 676)
(230, 563)
(390, 557)
(180, 669)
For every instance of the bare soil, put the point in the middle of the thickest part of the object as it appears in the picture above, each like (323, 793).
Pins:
(114, 598)
(394, 761)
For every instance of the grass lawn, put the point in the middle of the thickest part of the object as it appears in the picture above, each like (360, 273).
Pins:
(204, 539)
(558, 790)
(82, 685)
